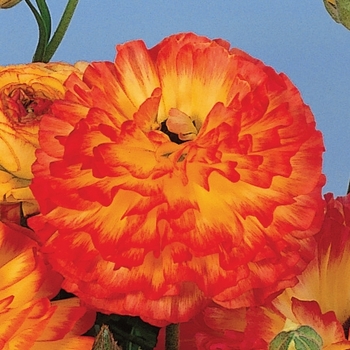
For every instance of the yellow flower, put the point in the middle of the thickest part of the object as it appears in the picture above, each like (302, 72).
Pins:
(26, 93)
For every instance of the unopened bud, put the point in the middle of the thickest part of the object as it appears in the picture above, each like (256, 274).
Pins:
(339, 10)
(104, 340)
(6, 4)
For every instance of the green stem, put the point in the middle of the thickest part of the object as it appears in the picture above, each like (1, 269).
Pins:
(172, 337)
(45, 15)
(61, 30)
(43, 38)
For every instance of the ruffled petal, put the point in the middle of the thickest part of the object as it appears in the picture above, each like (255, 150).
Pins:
(188, 164)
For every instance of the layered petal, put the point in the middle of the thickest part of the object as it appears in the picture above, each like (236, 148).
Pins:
(26, 94)
(260, 327)
(28, 319)
(324, 280)
(189, 168)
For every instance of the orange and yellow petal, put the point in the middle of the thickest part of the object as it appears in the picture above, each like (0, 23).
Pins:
(256, 327)
(265, 323)
(41, 323)
(28, 319)
(324, 279)
(230, 211)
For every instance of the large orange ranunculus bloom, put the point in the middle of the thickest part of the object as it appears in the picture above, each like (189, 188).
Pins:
(26, 93)
(27, 317)
(326, 277)
(175, 175)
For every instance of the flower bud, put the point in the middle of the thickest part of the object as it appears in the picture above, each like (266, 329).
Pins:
(104, 340)
(6, 4)
(339, 11)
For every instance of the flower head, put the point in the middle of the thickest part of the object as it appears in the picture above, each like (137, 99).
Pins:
(28, 319)
(178, 174)
(26, 94)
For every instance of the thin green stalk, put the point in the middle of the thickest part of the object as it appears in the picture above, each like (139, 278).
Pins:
(45, 15)
(172, 337)
(43, 38)
(61, 30)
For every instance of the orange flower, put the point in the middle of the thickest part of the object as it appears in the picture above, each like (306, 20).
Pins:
(256, 327)
(178, 174)
(319, 300)
(28, 319)
(324, 280)
(26, 93)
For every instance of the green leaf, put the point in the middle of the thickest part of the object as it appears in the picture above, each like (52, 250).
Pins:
(303, 338)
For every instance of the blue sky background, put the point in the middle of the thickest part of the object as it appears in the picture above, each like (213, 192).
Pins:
(298, 38)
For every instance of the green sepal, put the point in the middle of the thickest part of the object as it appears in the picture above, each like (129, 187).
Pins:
(303, 338)
(131, 333)
(104, 340)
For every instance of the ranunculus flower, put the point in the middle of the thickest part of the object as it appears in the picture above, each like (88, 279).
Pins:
(320, 299)
(27, 317)
(326, 277)
(176, 175)
(255, 328)
(26, 93)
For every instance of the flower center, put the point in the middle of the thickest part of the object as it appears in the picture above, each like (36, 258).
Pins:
(179, 127)
(23, 105)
